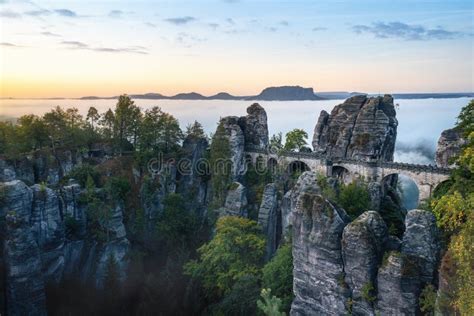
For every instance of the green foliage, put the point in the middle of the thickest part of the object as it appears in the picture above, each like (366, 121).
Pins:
(271, 305)
(465, 120)
(220, 166)
(195, 131)
(278, 276)
(276, 142)
(127, 117)
(83, 172)
(327, 190)
(72, 226)
(117, 187)
(236, 250)
(354, 198)
(176, 226)
(255, 183)
(367, 292)
(241, 299)
(428, 300)
(295, 140)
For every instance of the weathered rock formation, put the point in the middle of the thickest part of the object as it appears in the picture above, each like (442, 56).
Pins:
(246, 131)
(317, 258)
(255, 127)
(236, 201)
(449, 146)
(287, 93)
(360, 128)
(22, 258)
(363, 243)
(193, 174)
(267, 218)
(45, 239)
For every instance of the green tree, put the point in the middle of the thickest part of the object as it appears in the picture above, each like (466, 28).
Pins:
(93, 117)
(271, 305)
(107, 123)
(195, 131)
(278, 276)
(127, 122)
(236, 250)
(295, 140)
(220, 165)
(354, 198)
(176, 225)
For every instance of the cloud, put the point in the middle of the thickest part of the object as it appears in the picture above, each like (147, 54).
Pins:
(150, 24)
(9, 14)
(116, 13)
(181, 20)
(83, 46)
(409, 32)
(420, 152)
(5, 44)
(213, 25)
(284, 23)
(230, 1)
(230, 21)
(75, 44)
(50, 34)
(66, 13)
(188, 40)
(319, 28)
(40, 12)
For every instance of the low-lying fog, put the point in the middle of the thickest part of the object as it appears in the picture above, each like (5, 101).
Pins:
(420, 121)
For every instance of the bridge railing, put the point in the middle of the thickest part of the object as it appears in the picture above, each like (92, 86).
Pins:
(370, 163)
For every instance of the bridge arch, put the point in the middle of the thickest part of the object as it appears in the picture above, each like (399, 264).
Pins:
(442, 187)
(407, 188)
(272, 164)
(297, 166)
(342, 174)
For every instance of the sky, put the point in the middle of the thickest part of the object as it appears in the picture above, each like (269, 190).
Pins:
(106, 48)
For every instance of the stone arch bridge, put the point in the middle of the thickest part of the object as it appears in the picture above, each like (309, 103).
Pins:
(426, 177)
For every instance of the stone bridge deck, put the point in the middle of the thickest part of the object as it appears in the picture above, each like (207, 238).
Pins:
(426, 177)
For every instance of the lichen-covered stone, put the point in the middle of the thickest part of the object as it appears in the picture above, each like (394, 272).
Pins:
(236, 138)
(360, 128)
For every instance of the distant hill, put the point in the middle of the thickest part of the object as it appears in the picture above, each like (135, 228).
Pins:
(225, 96)
(286, 93)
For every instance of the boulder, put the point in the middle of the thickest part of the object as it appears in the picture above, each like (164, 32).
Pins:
(360, 128)
(363, 243)
(267, 218)
(449, 146)
(318, 274)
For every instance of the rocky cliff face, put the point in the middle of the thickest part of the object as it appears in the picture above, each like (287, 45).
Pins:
(449, 146)
(317, 258)
(342, 266)
(45, 239)
(267, 218)
(360, 128)
(22, 257)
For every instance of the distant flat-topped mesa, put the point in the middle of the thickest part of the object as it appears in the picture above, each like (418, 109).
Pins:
(287, 93)
(362, 127)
